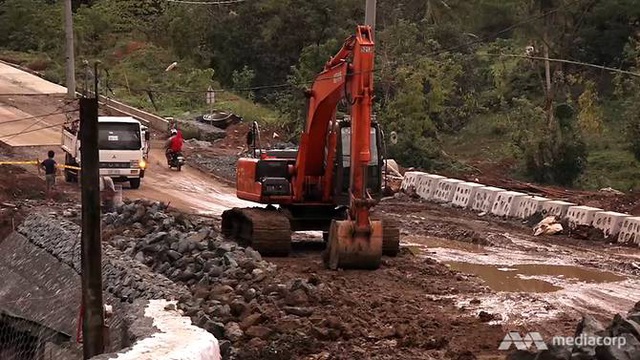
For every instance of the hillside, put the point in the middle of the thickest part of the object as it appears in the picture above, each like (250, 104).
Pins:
(465, 84)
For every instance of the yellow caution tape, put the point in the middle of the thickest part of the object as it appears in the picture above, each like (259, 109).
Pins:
(37, 162)
(19, 162)
(68, 167)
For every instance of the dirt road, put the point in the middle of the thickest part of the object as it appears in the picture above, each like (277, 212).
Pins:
(189, 190)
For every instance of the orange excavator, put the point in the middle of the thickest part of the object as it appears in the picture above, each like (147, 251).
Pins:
(331, 181)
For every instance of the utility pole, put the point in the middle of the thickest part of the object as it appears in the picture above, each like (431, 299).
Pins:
(68, 29)
(91, 247)
(370, 14)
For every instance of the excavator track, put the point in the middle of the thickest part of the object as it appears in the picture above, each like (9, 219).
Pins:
(390, 234)
(267, 231)
(390, 237)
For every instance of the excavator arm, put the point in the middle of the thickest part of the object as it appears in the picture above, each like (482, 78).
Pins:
(357, 241)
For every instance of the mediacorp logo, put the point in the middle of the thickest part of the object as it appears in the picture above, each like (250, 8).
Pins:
(522, 342)
(535, 339)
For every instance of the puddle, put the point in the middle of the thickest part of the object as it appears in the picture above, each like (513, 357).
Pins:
(533, 278)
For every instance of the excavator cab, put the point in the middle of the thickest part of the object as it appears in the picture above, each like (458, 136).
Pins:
(343, 163)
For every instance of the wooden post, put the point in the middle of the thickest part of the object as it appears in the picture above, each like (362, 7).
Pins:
(91, 246)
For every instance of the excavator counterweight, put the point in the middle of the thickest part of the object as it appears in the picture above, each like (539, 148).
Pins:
(331, 181)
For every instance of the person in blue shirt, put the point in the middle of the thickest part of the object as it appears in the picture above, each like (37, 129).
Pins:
(50, 169)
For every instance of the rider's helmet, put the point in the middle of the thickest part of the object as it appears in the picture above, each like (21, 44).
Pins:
(174, 131)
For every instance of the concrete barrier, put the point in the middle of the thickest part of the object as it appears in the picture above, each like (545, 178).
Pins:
(557, 208)
(485, 197)
(630, 231)
(427, 184)
(506, 203)
(464, 194)
(609, 222)
(581, 215)
(529, 205)
(409, 181)
(445, 190)
(154, 121)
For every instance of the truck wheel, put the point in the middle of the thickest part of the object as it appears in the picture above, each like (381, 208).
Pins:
(134, 183)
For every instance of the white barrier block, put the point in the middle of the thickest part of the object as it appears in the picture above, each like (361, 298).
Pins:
(609, 222)
(630, 231)
(427, 184)
(463, 196)
(445, 190)
(484, 198)
(506, 203)
(557, 208)
(409, 181)
(581, 215)
(529, 205)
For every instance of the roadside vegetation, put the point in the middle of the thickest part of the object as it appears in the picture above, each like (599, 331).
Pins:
(463, 82)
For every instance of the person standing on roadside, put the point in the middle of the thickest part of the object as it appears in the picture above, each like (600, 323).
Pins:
(50, 169)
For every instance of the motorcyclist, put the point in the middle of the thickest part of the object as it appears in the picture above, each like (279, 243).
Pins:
(174, 143)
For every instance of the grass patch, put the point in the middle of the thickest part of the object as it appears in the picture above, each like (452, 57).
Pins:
(483, 139)
(487, 139)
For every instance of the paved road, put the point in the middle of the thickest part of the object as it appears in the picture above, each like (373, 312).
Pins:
(15, 81)
(33, 128)
(189, 190)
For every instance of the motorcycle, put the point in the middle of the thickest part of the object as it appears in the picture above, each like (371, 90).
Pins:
(176, 160)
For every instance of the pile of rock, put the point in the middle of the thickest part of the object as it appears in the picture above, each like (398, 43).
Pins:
(625, 330)
(185, 251)
(233, 288)
(125, 278)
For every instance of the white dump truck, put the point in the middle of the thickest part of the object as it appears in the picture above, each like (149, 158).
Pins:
(123, 144)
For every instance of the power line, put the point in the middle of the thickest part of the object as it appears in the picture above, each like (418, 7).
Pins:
(35, 117)
(601, 67)
(33, 130)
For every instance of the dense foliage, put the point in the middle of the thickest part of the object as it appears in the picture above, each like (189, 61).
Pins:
(458, 80)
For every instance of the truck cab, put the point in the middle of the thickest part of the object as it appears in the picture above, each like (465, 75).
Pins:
(123, 144)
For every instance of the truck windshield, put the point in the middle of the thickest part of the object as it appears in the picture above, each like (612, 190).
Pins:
(119, 136)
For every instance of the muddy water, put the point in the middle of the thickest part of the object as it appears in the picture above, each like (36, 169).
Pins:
(534, 282)
(491, 265)
(528, 277)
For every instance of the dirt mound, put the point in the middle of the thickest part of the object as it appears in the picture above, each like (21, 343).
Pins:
(17, 185)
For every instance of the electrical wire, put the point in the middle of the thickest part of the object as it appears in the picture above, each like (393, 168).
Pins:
(33, 130)
(601, 67)
(35, 117)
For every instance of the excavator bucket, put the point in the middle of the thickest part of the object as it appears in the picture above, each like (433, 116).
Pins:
(348, 250)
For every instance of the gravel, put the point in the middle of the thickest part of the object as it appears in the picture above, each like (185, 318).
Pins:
(221, 165)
